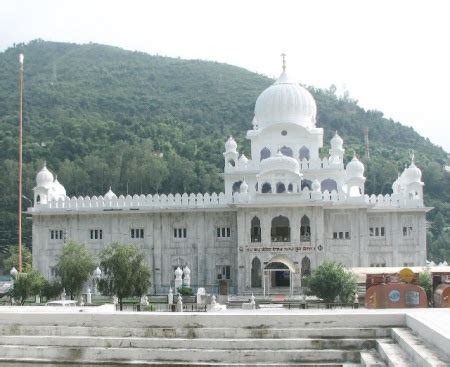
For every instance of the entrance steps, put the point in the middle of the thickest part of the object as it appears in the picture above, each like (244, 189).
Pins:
(345, 338)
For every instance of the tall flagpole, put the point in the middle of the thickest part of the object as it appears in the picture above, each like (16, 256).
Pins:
(20, 161)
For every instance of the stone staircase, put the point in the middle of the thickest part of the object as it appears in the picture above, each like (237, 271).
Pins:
(345, 338)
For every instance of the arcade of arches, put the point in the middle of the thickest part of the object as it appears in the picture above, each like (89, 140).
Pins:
(280, 230)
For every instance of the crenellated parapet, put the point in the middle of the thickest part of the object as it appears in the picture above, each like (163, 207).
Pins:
(330, 197)
(94, 203)
(394, 201)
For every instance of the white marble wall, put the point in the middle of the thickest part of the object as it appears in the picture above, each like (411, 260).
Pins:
(202, 251)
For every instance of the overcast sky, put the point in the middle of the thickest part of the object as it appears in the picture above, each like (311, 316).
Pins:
(392, 56)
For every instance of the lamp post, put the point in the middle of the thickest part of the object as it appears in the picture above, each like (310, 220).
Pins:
(20, 164)
(97, 274)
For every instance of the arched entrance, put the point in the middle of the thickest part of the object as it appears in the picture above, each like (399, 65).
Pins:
(278, 274)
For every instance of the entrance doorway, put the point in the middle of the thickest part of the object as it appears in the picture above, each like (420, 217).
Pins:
(278, 274)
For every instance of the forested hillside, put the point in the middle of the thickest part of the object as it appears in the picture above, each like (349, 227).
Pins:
(101, 116)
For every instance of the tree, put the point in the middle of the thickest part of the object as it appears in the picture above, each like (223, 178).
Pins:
(330, 280)
(426, 283)
(27, 285)
(51, 290)
(74, 267)
(124, 270)
(13, 259)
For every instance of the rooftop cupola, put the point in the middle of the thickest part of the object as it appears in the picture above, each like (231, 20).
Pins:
(44, 177)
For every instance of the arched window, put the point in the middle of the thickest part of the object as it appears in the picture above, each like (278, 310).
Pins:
(290, 187)
(266, 188)
(281, 188)
(232, 163)
(306, 183)
(236, 186)
(256, 230)
(303, 153)
(329, 185)
(280, 231)
(38, 199)
(306, 267)
(286, 151)
(265, 153)
(305, 229)
(256, 273)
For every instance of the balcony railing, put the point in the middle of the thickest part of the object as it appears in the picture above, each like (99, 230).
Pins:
(281, 238)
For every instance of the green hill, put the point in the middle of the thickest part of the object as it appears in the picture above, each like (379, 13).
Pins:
(102, 116)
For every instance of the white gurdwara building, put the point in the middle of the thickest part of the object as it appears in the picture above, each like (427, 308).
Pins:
(285, 210)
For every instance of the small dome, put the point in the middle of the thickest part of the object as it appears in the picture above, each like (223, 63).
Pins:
(58, 189)
(186, 271)
(280, 162)
(44, 177)
(110, 194)
(355, 169)
(336, 141)
(315, 185)
(178, 272)
(413, 174)
(243, 159)
(243, 189)
(230, 145)
(285, 102)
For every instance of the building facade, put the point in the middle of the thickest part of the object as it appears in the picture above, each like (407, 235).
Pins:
(284, 211)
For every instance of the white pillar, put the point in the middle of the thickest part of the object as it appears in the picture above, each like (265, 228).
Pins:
(180, 304)
(89, 296)
(178, 278)
(187, 277)
(170, 297)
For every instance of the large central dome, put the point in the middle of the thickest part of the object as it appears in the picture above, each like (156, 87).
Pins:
(285, 102)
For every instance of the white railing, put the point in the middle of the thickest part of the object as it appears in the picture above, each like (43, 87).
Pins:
(135, 202)
(305, 165)
(192, 201)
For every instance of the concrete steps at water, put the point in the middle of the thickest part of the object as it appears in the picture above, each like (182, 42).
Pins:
(393, 354)
(416, 349)
(140, 355)
(371, 358)
(196, 332)
(336, 338)
(176, 343)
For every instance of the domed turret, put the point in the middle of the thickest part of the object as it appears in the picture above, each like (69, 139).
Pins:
(285, 102)
(243, 189)
(110, 194)
(413, 173)
(44, 177)
(355, 180)
(230, 145)
(315, 185)
(355, 169)
(336, 151)
(336, 141)
(59, 190)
